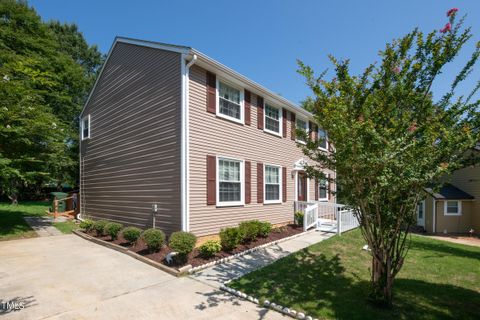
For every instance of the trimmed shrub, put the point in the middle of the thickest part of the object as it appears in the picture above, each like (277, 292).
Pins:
(87, 225)
(210, 248)
(299, 218)
(265, 229)
(182, 242)
(131, 234)
(99, 227)
(249, 230)
(229, 238)
(112, 229)
(154, 239)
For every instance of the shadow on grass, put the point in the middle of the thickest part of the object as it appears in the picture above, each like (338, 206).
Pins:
(320, 286)
(11, 224)
(451, 249)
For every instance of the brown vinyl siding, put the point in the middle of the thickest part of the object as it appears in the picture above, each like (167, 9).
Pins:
(211, 135)
(132, 159)
(454, 224)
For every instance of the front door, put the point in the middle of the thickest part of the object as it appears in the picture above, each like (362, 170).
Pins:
(302, 187)
(421, 213)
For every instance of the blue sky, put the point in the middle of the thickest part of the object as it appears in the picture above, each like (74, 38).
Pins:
(262, 39)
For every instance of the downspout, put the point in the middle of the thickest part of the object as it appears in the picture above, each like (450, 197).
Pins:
(434, 210)
(185, 185)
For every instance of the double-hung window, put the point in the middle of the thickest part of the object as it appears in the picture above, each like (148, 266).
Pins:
(322, 139)
(453, 208)
(273, 120)
(230, 182)
(301, 124)
(230, 102)
(273, 184)
(85, 127)
(323, 189)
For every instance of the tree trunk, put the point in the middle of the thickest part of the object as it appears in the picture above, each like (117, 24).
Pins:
(382, 281)
(14, 199)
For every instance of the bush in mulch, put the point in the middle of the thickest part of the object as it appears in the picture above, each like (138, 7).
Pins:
(112, 229)
(210, 248)
(154, 239)
(183, 243)
(229, 238)
(131, 234)
(99, 227)
(87, 225)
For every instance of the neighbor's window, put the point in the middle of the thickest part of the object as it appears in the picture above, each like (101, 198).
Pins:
(85, 127)
(272, 184)
(323, 189)
(453, 208)
(322, 139)
(229, 101)
(420, 208)
(272, 119)
(301, 124)
(229, 181)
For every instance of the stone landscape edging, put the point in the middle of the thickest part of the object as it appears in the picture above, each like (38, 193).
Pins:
(233, 256)
(266, 304)
(180, 272)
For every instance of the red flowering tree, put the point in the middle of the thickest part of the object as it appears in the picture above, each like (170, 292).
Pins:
(391, 139)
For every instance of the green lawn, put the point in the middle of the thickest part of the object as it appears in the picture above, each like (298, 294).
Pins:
(12, 224)
(66, 226)
(330, 280)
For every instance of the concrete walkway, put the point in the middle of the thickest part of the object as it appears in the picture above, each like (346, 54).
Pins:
(66, 277)
(215, 276)
(43, 226)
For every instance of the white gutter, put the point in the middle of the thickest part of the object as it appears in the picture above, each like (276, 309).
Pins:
(185, 175)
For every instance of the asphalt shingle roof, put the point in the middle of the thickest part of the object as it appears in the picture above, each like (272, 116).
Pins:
(450, 192)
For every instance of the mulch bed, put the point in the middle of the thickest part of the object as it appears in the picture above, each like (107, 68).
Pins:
(194, 257)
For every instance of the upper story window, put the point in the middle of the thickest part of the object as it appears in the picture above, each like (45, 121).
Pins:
(85, 127)
(272, 184)
(323, 189)
(230, 182)
(322, 139)
(301, 124)
(230, 102)
(453, 208)
(273, 117)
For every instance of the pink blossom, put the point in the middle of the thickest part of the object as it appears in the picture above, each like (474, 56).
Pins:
(396, 70)
(447, 27)
(451, 11)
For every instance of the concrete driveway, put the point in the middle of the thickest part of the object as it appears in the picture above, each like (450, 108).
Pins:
(66, 277)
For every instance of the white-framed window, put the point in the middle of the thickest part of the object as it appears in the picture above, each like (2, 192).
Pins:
(230, 182)
(85, 127)
(322, 139)
(323, 190)
(272, 120)
(452, 208)
(272, 184)
(301, 124)
(229, 102)
(421, 209)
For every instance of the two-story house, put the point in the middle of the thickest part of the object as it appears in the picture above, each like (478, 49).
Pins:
(168, 130)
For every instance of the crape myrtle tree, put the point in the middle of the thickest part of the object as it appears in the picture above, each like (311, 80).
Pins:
(391, 139)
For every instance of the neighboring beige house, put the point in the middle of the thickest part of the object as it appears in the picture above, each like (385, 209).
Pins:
(455, 208)
(167, 129)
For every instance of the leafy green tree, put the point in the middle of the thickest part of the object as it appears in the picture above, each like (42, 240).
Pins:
(391, 139)
(46, 72)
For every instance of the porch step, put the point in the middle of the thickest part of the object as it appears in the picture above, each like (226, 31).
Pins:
(326, 225)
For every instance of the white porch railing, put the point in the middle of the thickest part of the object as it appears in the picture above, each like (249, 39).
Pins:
(327, 216)
(310, 216)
